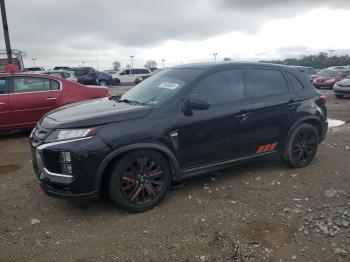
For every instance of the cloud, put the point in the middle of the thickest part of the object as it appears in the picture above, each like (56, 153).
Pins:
(77, 28)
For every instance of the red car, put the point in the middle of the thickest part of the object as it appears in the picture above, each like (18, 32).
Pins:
(25, 98)
(328, 77)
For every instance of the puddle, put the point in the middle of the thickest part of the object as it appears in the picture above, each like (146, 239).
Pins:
(6, 169)
(335, 122)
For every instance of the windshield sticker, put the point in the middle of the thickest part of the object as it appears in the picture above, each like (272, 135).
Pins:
(168, 85)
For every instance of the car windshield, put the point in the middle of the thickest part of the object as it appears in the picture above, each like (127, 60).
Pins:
(329, 73)
(160, 87)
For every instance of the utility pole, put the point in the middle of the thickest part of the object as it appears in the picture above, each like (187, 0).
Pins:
(83, 63)
(6, 31)
(215, 54)
(331, 51)
(34, 59)
(132, 63)
(163, 62)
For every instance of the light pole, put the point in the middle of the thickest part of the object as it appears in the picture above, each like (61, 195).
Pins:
(132, 63)
(215, 54)
(34, 59)
(331, 51)
(83, 63)
(163, 60)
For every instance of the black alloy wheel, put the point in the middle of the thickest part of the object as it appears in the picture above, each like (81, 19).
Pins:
(140, 180)
(302, 146)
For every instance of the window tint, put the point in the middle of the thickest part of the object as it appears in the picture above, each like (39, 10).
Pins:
(54, 85)
(125, 72)
(222, 87)
(2, 86)
(31, 84)
(297, 86)
(269, 82)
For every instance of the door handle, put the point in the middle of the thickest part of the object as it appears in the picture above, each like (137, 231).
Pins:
(51, 98)
(243, 117)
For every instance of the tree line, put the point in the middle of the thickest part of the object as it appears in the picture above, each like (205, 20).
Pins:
(322, 60)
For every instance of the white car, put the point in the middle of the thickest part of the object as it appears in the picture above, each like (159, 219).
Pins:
(135, 75)
(68, 75)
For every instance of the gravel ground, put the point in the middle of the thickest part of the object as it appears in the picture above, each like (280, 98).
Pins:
(261, 211)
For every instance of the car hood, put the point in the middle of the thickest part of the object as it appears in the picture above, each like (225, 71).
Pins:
(92, 113)
(344, 82)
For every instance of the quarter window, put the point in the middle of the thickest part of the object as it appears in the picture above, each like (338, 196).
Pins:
(269, 82)
(222, 87)
(2, 86)
(297, 86)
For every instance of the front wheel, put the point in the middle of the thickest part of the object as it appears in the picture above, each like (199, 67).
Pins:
(301, 146)
(140, 180)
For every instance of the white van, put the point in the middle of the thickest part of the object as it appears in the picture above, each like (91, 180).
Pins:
(135, 75)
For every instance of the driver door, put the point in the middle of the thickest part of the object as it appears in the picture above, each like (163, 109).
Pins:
(218, 133)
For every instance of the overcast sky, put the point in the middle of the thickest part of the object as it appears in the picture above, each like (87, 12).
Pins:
(67, 32)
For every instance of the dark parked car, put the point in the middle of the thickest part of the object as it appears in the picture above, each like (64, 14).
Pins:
(307, 71)
(328, 77)
(342, 88)
(104, 79)
(86, 75)
(183, 121)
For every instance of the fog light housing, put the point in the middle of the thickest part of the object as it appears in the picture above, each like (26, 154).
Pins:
(65, 162)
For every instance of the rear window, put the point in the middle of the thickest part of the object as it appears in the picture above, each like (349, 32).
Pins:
(269, 82)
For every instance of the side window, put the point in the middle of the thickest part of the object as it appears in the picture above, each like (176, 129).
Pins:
(269, 82)
(297, 86)
(135, 71)
(222, 87)
(125, 72)
(2, 86)
(55, 85)
(65, 75)
(31, 84)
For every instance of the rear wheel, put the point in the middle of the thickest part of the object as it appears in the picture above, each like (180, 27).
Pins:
(116, 81)
(140, 180)
(301, 146)
(339, 96)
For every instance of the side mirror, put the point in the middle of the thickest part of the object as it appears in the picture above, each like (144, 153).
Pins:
(197, 102)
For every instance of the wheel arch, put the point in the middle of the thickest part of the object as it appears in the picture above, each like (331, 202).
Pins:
(313, 120)
(111, 159)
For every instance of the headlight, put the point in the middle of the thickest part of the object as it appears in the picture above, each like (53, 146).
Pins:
(68, 134)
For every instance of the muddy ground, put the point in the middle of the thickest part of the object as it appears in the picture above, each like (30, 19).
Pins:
(263, 211)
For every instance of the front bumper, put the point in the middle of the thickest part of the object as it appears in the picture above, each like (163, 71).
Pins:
(323, 85)
(86, 154)
(338, 90)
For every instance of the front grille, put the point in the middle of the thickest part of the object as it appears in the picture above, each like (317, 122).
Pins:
(38, 135)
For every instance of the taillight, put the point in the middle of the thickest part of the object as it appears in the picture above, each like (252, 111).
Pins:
(323, 99)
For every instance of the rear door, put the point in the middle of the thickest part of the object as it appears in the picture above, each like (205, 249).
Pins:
(273, 102)
(4, 104)
(31, 98)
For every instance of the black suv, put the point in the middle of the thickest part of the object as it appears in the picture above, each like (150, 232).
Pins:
(85, 75)
(182, 121)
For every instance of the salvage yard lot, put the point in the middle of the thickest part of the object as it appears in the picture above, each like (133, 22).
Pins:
(254, 212)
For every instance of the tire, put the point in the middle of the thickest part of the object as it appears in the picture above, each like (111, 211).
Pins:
(116, 81)
(339, 96)
(140, 180)
(103, 83)
(301, 146)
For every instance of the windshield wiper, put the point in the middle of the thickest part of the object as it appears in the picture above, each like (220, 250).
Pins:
(130, 101)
